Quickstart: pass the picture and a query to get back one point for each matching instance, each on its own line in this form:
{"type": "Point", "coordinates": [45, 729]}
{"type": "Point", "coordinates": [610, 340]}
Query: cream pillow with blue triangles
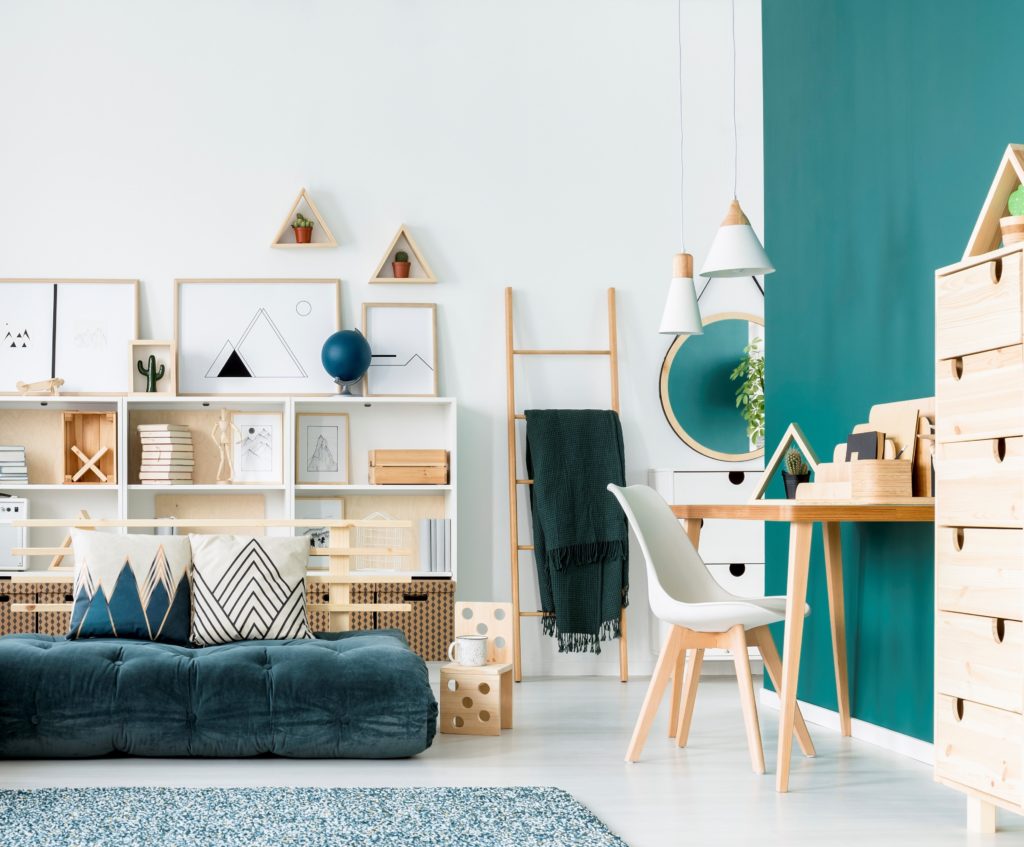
{"type": "Point", "coordinates": [131, 586]}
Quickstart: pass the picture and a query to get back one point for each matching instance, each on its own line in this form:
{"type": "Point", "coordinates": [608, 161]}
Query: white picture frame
{"type": "Point", "coordinates": [403, 345]}
{"type": "Point", "coordinates": [258, 451]}
{"type": "Point", "coordinates": [321, 448]}
{"type": "Point", "coordinates": [78, 330]}
{"type": "Point", "coordinates": [254, 336]}
{"type": "Point", "coordinates": [315, 508]}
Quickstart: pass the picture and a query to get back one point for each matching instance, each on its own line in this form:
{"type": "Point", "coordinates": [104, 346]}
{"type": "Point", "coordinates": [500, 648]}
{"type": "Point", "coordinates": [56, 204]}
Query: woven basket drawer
{"type": "Point", "coordinates": [979, 308]}
{"type": "Point", "coordinates": [980, 571]}
{"type": "Point", "coordinates": [430, 626]}
{"type": "Point", "coordinates": [55, 623]}
{"type": "Point", "coordinates": [17, 592]}
{"type": "Point", "coordinates": [980, 659]}
{"type": "Point", "coordinates": [321, 621]}
{"type": "Point", "coordinates": [980, 483]}
{"type": "Point", "coordinates": [980, 395]}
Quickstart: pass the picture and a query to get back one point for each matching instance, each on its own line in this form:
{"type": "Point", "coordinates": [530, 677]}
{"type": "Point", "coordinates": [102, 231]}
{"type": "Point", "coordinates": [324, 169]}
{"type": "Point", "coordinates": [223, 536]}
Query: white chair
{"type": "Point", "coordinates": [683, 593]}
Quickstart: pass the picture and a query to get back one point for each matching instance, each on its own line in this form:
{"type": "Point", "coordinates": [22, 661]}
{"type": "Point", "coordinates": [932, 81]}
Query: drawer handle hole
{"type": "Point", "coordinates": [997, 271]}
{"type": "Point", "coordinates": [958, 538]}
{"type": "Point", "coordinates": [737, 569]}
{"type": "Point", "coordinates": [999, 630]}
{"type": "Point", "coordinates": [957, 366]}
{"type": "Point", "coordinates": [737, 477]}
{"type": "Point", "coordinates": [958, 709]}
{"type": "Point", "coordinates": [1000, 449]}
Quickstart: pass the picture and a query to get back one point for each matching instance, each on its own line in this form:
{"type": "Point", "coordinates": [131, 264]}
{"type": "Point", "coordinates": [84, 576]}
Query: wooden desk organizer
{"type": "Point", "coordinates": [868, 480]}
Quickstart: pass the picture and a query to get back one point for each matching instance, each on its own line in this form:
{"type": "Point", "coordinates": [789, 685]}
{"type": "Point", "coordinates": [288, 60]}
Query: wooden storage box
{"type": "Point", "coordinates": [980, 571]}
{"type": "Point", "coordinates": [430, 626]}
{"type": "Point", "coordinates": [980, 659]}
{"type": "Point", "coordinates": [881, 479]}
{"type": "Point", "coordinates": [979, 307]}
{"type": "Point", "coordinates": [980, 395]}
{"type": "Point", "coordinates": [408, 467]}
{"type": "Point", "coordinates": [90, 447]}
{"type": "Point", "coordinates": [980, 483]}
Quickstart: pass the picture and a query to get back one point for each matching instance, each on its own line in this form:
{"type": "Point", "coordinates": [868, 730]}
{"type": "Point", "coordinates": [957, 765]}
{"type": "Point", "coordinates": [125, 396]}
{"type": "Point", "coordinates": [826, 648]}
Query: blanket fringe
{"type": "Point", "coordinates": [581, 642]}
{"type": "Point", "coordinates": [575, 555]}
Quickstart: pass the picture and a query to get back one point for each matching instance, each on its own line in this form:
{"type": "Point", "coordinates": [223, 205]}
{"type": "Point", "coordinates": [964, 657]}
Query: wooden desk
{"type": "Point", "coordinates": [801, 515]}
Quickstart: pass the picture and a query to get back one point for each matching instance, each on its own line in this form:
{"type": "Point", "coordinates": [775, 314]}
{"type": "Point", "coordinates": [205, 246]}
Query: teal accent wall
{"type": "Point", "coordinates": [884, 123]}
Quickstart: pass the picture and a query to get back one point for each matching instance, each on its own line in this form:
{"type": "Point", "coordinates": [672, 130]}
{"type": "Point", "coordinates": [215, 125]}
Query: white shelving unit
{"type": "Point", "coordinates": [374, 423]}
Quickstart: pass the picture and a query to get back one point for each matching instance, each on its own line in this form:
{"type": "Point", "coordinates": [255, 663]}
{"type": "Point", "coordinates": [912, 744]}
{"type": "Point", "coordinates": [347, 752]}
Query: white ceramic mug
{"type": "Point", "coordinates": [468, 650]}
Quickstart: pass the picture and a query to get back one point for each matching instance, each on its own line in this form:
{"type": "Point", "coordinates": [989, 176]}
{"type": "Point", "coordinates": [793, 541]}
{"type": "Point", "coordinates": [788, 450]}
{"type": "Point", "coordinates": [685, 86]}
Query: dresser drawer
{"type": "Point", "coordinates": [979, 308]}
{"type": "Point", "coordinates": [980, 395]}
{"type": "Point", "coordinates": [980, 659]}
{"type": "Point", "coordinates": [980, 483]}
{"type": "Point", "coordinates": [743, 580]}
{"type": "Point", "coordinates": [980, 571]}
{"type": "Point", "coordinates": [723, 540]}
{"type": "Point", "coordinates": [979, 747]}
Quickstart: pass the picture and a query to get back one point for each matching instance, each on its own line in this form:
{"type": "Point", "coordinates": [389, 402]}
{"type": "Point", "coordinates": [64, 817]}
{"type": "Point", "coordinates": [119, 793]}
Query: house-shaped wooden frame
{"type": "Point", "coordinates": [325, 231]}
{"type": "Point", "coordinates": [986, 235]}
{"type": "Point", "coordinates": [792, 435]}
{"type": "Point", "coordinates": [420, 272]}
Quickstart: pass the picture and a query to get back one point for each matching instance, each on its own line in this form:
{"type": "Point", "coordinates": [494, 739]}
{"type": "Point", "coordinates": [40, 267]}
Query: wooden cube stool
{"type": "Point", "coordinates": [478, 700]}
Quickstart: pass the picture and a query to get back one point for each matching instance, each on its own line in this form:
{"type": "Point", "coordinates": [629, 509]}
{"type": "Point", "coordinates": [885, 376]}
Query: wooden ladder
{"type": "Point", "coordinates": [514, 480]}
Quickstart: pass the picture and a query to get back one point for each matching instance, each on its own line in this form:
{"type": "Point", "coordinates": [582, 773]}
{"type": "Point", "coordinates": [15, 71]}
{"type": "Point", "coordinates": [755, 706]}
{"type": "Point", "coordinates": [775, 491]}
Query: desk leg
{"type": "Point", "coordinates": [837, 615]}
{"type": "Point", "coordinates": [693, 527]}
{"type": "Point", "coordinates": [796, 605]}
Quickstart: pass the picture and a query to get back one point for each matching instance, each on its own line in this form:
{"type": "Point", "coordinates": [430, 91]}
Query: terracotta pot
{"type": "Point", "coordinates": [401, 269]}
{"type": "Point", "coordinates": [303, 234]}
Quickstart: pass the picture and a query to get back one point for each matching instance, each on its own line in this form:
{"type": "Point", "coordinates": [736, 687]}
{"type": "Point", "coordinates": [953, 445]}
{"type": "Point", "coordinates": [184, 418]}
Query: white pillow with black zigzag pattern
{"type": "Point", "coordinates": [248, 589]}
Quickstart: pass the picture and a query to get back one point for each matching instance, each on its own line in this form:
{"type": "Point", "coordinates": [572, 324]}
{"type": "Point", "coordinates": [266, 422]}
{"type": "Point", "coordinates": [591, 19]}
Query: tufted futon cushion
{"type": "Point", "coordinates": [346, 695]}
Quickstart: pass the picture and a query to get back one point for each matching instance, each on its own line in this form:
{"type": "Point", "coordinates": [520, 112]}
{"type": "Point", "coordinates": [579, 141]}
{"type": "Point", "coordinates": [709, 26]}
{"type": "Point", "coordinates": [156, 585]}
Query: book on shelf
{"type": "Point", "coordinates": [170, 438]}
{"type": "Point", "coordinates": [154, 453]}
{"type": "Point", "coordinates": [435, 545]}
{"type": "Point", "coordinates": [165, 474]}
{"type": "Point", "coordinates": [162, 428]}
{"type": "Point", "coordinates": [166, 481]}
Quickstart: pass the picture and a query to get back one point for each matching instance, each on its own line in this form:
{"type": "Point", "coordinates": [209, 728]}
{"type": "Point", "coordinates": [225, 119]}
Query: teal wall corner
{"type": "Point", "coordinates": [884, 123]}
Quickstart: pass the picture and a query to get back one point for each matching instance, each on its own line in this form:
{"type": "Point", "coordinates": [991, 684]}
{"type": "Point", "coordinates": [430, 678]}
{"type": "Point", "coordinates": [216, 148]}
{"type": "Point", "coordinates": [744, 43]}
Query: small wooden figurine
{"type": "Point", "coordinates": [44, 386]}
{"type": "Point", "coordinates": [151, 373]}
{"type": "Point", "coordinates": [224, 432]}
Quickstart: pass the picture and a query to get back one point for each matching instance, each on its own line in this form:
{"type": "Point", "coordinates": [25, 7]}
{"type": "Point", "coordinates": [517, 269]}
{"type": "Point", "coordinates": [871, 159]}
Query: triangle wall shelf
{"type": "Point", "coordinates": [987, 235]}
{"type": "Point", "coordinates": [419, 273]}
{"type": "Point", "coordinates": [285, 238]}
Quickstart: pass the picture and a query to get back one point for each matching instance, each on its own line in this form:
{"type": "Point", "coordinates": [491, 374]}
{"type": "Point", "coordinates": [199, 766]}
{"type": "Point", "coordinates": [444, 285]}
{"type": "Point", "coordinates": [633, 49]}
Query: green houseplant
{"type": "Point", "coordinates": [303, 229]}
{"type": "Point", "coordinates": [401, 266]}
{"type": "Point", "coordinates": [796, 472]}
{"type": "Point", "coordinates": [750, 394]}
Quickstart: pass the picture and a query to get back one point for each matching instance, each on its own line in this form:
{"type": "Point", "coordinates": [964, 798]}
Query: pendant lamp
{"type": "Point", "coordinates": [736, 249]}
{"type": "Point", "coordinates": [681, 315]}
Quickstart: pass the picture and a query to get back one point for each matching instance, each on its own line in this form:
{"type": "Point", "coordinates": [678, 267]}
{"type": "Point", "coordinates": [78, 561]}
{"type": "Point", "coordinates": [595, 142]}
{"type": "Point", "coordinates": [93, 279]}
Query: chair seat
{"type": "Point", "coordinates": [720, 616]}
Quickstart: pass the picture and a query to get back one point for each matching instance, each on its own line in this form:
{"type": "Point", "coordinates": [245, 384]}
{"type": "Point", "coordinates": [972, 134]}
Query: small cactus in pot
{"type": "Point", "coordinates": [795, 473]}
{"type": "Point", "coordinates": [401, 266]}
{"type": "Point", "coordinates": [303, 229]}
{"type": "Point", "coordinates": [151, 373]}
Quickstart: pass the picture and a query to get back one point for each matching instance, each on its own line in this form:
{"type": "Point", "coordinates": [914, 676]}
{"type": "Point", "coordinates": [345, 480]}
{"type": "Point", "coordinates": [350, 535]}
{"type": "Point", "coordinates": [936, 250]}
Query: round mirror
{"type": "Point", "coordinates": [697, 395]}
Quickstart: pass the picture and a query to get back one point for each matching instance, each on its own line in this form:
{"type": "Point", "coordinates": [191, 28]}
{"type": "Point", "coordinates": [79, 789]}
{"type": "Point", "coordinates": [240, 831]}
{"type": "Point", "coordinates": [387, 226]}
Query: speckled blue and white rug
{"type": "Point", "coordinates": [310, 817]}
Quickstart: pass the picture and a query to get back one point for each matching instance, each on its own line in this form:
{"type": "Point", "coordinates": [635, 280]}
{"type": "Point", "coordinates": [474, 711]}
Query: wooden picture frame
{"type": "Point", "coordinates": [254, 464]}
{"type": "Point", "coordinates": [401, 344]}
{"type": "Point", "coordinates": [166, 354]}
{"type": "Point", "coordinates": [793, 434]}
{"type": "Point", "coordinates": [335, 436]}
{"type": "Point", "coordinates": [329, 240]}
{"type": "Point", "coordinates": [420, 272]}
{"type": "Point", "coordinates": [72, 329]}
{"type": "Point", "coordinates": [221, 368]}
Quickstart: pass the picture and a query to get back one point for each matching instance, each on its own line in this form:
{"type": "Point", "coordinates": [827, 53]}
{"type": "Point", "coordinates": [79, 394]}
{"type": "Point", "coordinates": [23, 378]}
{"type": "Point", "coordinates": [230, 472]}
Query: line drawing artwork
{"type": "Point", "coordinates": [17, 339]}
{"type": "Point", "coordinates": [395, 364]}
{"type": "Point", "coordinates": [89, 335]}
{"type": "Point", "coordinates": [260, 352]}
{"type": "Point", "coordinates": [322, 447]}
{"type": "Point", "coordinates": [257, 448]}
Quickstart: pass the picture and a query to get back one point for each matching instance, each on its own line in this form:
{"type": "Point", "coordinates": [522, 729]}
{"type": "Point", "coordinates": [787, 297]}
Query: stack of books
{"type": "Point", "coordinates": [167, 457]}
{"type": "Point", "coordinates": [13, 468]}
{"type": "Point", "coordinates": [435, 545]}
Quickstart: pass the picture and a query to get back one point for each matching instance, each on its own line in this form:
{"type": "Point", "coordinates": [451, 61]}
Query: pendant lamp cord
{"type": "Point", "coordinates": [682, 193]}
{"type": "Point", "coordinates": [735, 132]}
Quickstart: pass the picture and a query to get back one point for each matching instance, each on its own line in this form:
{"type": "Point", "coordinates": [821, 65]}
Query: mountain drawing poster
{"type": "Point", "coordinates": [403, 345]}
{"type": "Point", "coordinates": [322, 457]}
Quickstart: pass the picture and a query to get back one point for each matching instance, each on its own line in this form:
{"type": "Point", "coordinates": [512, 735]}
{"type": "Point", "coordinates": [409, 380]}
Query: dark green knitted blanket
{"type": "Point", "coordinates": [580, 534]}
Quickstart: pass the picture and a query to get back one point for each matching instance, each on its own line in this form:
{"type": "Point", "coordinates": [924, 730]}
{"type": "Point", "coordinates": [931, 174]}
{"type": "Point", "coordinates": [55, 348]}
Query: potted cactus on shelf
{"type": "Point", "coordinates": [1012, 227]}
{"type": "Point", "coordinates": [796, 472]}
{"type": "Point", "coordinates": [303, 229]}
{"type": "Point", "coordinates": [401, 266]}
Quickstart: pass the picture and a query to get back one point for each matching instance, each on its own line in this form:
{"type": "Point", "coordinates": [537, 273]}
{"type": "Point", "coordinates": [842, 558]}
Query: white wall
{"type": "Point", "coordinates": [531, 144]}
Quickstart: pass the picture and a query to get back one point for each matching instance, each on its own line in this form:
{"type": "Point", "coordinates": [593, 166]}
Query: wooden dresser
{"type": "Point", "coordinates": [979, 541]}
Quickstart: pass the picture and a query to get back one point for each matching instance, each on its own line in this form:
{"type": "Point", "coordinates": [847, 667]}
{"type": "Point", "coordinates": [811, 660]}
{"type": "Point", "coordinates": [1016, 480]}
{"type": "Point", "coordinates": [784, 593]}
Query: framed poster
{"type": "Point", "coordinates": [259, 449]}
{"type": "Point", "coordinates": [316, 508]}
{"type": "Point", "coordinates": [76, 330]}
{"type": "Point", "coordinates": [255, 336]}
{"type": "Point", "coordinates": [403, 341]}
{"type": "Point", "coordinates": [321, 448]}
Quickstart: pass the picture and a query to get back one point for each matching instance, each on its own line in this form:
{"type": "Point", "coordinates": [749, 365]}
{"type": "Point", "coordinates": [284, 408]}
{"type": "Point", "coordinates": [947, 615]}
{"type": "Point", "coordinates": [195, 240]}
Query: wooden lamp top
{"type": "Point", "coordinates": [735, 216]}
{"type": "Point", "coordinates": [682, 266]}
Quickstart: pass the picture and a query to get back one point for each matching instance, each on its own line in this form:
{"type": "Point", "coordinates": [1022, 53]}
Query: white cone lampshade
{"type": "Point", "coordinates": [736, 250]}
{"type": "Point", "coordinates": [682, 314]}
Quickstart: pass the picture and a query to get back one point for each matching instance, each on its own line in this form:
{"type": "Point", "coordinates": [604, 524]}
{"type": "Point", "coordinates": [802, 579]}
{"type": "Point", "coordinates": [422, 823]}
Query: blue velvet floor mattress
{"type": "Point", "coordinates": [350, 695]}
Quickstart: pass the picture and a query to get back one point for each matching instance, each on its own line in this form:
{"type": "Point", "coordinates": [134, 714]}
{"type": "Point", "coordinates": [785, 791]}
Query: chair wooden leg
{"type": "Point", "coordinates": [655, 691]}
{"type": "Point", "coordinates": [677, 687]}
{"type": "Point", "coordinates": [738, 648]}
{"type": "Point", "coordinates": [691, 679]}
{"type": "Point", "coordinates": [762, 638]}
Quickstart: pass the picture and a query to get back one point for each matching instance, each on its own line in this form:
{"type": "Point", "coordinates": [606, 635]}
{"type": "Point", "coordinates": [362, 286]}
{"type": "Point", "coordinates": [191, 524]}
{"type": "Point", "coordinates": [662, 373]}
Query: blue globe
{"type": "Point", "coordinates": [346, 357]}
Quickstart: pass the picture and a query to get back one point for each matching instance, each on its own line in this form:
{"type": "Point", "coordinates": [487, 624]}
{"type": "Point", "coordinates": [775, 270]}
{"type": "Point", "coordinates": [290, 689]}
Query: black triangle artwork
{"type": "Point", "coordinates": [234, 366]}
{"type": "Point", "coordinates": [261, 352]}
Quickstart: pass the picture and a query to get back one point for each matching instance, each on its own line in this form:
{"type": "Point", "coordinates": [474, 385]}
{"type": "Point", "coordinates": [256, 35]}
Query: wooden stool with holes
{"type": "Point", "coordinates": [478, 700]}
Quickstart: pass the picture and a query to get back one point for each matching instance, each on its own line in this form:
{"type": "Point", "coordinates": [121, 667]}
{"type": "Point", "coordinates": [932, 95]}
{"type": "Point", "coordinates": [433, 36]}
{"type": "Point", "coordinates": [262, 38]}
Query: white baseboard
{"type": "Point", "coordinates": [887, 739]}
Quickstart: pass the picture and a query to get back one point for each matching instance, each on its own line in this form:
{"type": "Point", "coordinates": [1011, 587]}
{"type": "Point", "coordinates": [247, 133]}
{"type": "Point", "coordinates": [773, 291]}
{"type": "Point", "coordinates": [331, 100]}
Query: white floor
{"type": "Point", "coordinates": [572, 733]}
